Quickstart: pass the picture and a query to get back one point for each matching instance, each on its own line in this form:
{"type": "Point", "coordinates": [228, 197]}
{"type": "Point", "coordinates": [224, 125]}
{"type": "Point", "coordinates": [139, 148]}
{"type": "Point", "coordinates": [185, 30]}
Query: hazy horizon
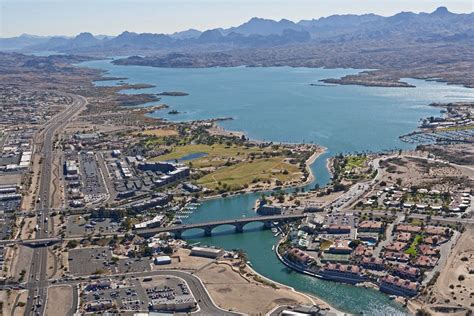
{"type": "Point", "coordinates": [107, 17]}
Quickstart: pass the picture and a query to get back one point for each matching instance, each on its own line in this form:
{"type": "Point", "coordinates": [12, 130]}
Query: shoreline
{"type": "Point", "coordinates": [316, 300]}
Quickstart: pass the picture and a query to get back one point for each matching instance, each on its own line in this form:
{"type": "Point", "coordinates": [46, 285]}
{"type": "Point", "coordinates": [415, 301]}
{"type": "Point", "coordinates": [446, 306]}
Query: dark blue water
{"type": "Point", "coordinates": [278, 104]}
{"type": "Point", "coordinates": [191, 156]}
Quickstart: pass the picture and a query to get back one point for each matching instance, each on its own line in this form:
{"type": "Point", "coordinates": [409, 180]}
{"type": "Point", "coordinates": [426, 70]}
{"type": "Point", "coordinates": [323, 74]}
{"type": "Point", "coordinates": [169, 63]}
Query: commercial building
{"type": "Point", "coordinates": [156, 221]}
{"type": "Point", "coordinates": [162, 260]}
{"type": "Point", "coordinates": [207, 252]}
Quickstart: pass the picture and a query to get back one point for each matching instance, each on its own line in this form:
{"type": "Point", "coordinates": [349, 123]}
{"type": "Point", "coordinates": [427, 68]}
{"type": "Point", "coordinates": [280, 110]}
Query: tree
{"type": "Point", "coordinates": [422, 312]}
{"type": "Point", "coordinates": [72, 244]}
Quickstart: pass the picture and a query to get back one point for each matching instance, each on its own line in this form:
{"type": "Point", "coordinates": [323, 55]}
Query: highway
{"type": "Point", "coordinates": [38, 270]}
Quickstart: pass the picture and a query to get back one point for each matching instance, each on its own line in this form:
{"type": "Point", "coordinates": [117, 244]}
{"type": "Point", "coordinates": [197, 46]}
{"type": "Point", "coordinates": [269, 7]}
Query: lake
{"type": "Point", "coordinates": [279, 104]}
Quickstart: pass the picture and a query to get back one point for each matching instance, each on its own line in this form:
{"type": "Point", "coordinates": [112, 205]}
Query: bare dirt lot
{"type": "Point", "coordinates": [456, 281]}
{"type": "Point", "coordinates": [420, 172]}
{"type": "Point", "coordinates": [59, 300]}
{"type": "Point", "coordinates": [454, 287]}
{"type": "Point", "coordinates": [232, 291]}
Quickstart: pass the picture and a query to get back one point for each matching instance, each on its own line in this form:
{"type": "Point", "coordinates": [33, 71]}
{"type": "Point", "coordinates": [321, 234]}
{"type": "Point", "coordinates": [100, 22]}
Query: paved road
{"type": "Point", "coordinates": [38, 271]}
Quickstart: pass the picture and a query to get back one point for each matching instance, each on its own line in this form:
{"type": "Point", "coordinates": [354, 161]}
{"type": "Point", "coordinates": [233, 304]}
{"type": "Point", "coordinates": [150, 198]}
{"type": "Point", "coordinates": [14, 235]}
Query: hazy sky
{"type": "Point", "coordinates": [70, 17]}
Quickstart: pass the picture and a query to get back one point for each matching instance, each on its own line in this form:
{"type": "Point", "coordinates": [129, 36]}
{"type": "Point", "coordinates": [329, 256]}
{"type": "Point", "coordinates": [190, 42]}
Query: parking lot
{"type": "Point", "coordinates": [127, 295]}
{"type": "Point", "coordinates": [89, 261]}
{"type": "Point", "coordinates": [158, 293]}
{"type": "Point", "coordinates": [77, 225]}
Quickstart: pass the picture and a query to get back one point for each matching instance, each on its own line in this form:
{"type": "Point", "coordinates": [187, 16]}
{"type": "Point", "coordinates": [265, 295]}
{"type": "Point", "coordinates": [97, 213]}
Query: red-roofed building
{"type": "Point", "coordinates": [370, 226]}
{"type": "Point", "coordinates": [406, 272]}
{"type": "Point", "coordinates": [408, 228]}
{"type": "Point", "coordinates": [342, 273]}
{"type": "Point", "coordinates": [425, 261]}
{"type": "Point", "coordinates": [338, 229]}
{"type": "Point", "coordinates": [372, 263]}
{"type": "Point", "coordinates": [396, 246]}
{"type": "Point", "coordinates": [428, 250]}
{"type": "Point", "coordinates": [403, 237]}
{"type": "Point", "coordinates": [397, 286]}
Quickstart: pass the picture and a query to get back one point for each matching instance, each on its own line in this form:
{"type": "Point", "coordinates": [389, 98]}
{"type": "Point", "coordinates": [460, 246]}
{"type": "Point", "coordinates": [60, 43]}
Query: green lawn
{"type": "Point", "coordinates": [355, 162]}
{"type": "Point", "coordinates": [412, 251]}
{"type": "Point", "coordinates": [235, 177]}
{"type": "Point", "coordinates": [217, 154]}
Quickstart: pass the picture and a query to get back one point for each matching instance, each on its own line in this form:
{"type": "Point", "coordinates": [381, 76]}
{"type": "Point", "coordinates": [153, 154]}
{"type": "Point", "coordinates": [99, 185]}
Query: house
{"type": "Point", "coordinates": [425, 262]}
{"type": "Point", "coordinates": [437, 230]}
{"type": "Point", "coordinates": [397, 256]}
{"type": "Point", "coordinates": [403, 237]}
{"type": "Point", "coordinates": [362, 251]}
{"type": "Point", "coordinates": [396, 246]}
{"type": "Point", "coordinates": [435, 240]}
{"type": "Point", "coordinates": [428, 250]}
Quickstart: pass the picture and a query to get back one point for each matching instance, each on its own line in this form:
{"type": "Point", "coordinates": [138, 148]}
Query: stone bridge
{"type": "Point", "coordinates": [209, 226]}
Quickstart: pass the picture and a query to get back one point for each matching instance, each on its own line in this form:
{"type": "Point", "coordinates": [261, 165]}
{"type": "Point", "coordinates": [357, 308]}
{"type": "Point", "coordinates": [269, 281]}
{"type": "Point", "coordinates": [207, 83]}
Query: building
{"type": "Point", "coordinates": [163, 167]}
{"type": "Point", "coordinates": [372, 263]}
{"type": "Point", "coordinates": [156, 221]}
{"type": "Point", "coordinates": [426, 262]}
{"type": "Point", "coordinates": [207, 252]}
{"type": "Point", "coordinates": [408, 228]}
{"type": "Point", "coordinates": [342, 273]}
{"type": "Point", "coordinates": [71, 167]}
{"type": "Point", "coordinates": [191, 187]}
{"type": "Point", "coordinates": [268, 209]}
{"type": "Point", "coordinates": [338, 229]}
{"type": "Point", "coordinates": [397, 286]}
{"type": "Point", "coordinates": [406, 272]}
{"type": "Point", "coordinates": [396, 246]}
{"type": "Point", "coordinates": [101, 305]}
{"type": "Point", "coordinates": [340, 246]}
{"type": "Point", "coordinates": [157, 200]}
{"type": "Point", "coordinates": [370, 226]}
{"type": "Point", "coordinates": [162, 260]}
{"type": "Point", "coordinates": [298, 256]}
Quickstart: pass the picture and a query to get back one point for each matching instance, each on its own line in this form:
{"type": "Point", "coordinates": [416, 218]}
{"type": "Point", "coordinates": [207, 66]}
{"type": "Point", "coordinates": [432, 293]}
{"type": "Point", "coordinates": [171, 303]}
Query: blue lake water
{"type": "Point", "coordinates": [279, 104]}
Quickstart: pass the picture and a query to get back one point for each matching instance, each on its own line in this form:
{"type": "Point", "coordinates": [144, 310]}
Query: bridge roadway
{"type": "Point", "coordinates": [209, 226]}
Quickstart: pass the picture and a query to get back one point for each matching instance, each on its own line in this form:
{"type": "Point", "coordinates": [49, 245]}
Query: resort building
{"type": "Point", "coordinates": [372, 263]}
{"type": "Point", "coordinates": [342, 273]}
{"type": "Point", "coordinates": [397, 286]}
{"type": "Point", "coordinates": [370, 226]}
{"type": "Point", "coordinates": [408, 228]}
{"type": "Point", "coordinates": [406, 272]}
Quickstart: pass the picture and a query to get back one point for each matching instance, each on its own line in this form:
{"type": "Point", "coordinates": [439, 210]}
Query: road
{"type": "Point", "coordinates": [38, 271]}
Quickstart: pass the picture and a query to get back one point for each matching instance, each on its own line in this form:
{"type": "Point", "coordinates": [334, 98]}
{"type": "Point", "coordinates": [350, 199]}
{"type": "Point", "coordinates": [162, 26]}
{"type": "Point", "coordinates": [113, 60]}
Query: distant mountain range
{"type": "Point", "coordinates": [440, 25]}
